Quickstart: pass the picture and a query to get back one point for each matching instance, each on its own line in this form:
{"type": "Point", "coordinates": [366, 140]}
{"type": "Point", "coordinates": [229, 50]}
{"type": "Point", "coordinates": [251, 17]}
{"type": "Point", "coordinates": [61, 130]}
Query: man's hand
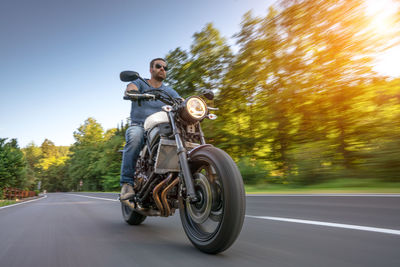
{"type": "Point", "coordinates": [131, 87]}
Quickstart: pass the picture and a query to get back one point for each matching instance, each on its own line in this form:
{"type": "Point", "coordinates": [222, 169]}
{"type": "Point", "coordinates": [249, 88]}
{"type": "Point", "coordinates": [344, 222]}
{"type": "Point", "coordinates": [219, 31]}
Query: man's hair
{"type": "Point", "coordinates": [152, 62]}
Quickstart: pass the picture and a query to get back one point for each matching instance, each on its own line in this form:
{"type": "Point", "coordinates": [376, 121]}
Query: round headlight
{"type": "Point", "coordinates": [195, 109]}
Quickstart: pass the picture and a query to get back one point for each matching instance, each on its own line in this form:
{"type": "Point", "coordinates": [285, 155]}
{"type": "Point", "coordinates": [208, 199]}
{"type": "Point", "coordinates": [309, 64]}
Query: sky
{"type": "Point", "coordinates": [60, 60]}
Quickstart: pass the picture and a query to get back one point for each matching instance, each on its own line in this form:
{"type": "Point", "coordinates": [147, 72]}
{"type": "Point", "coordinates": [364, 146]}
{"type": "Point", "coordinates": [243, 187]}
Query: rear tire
{"type": "Point", "coordinates": [214, 223]}
{"type": "Point", "coordinates": [130, 216]}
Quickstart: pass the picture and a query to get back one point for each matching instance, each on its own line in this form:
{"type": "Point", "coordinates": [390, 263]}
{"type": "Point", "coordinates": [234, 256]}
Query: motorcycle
{"type": "Point", "coordinates": [177, 169]}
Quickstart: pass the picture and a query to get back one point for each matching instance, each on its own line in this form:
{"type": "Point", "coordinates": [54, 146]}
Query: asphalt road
{"type": "Point", "coordinates": [286, 230]}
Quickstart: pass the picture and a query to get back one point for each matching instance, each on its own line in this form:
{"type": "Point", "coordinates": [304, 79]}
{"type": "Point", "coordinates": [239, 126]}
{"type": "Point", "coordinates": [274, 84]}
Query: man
{"type": "Point", "coordinates": [135, 133]}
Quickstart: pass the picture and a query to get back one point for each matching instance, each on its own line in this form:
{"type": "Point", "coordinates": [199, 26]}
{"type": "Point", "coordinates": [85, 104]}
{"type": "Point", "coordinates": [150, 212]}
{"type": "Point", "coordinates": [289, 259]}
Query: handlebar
{"type": "Point", "coordinates": [152, 94]}
{"type": "Point", "coordinates": [133, 96]}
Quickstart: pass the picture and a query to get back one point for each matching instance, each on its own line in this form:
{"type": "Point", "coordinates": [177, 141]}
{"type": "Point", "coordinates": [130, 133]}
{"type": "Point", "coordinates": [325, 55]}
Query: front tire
{"type": "Point", "coordinates": [214, 223]}
{"type": "Point", "coordinates": [130, 216]}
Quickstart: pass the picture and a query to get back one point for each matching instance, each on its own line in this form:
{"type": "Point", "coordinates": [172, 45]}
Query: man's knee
{"type": "Point", "coordinates": [134, 132]}
{"type": "Point", "coordinates": [134, 138]}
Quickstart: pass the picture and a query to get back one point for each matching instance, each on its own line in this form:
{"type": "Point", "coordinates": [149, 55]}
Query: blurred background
{"type": "Point", "coordinates": [308, 95]}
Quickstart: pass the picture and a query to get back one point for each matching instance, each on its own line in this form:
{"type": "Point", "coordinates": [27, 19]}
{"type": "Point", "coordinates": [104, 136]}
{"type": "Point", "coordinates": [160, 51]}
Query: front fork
{"type": "Point", "coordinates": [187, 175]}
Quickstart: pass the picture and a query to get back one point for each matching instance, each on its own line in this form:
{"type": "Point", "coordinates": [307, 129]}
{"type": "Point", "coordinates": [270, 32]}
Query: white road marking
{"type": "Point", "coordinates": [323, 195]}
{"type": "Point", "coordinates": [328, 224]}
{"type": "Point", "coordinates": [4, 207]}
{"type": "Point", "coordinates": [101, 198]}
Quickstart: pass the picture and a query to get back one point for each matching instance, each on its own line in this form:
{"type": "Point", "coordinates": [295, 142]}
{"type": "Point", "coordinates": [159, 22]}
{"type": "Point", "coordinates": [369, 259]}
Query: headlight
{"type": "Point", "coordinates": [195, 109]}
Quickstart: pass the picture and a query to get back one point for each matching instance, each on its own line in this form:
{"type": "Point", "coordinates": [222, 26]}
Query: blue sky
{"type": "Point", "coordinates": [60, 60]}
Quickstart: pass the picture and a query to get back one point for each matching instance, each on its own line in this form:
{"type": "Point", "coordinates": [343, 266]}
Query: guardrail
{"type": "Point", "coordinates": [15, 193]}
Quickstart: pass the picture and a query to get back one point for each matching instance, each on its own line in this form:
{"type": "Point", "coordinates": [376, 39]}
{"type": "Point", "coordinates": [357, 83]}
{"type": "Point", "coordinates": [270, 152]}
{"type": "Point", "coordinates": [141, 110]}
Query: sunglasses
{"type": "Point", "coordinates": [159, 66]}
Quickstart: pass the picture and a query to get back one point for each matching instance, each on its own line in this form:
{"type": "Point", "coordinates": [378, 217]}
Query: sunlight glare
{"type": "Point", "coordinates": [382, 15]}
{"type": "Point", "coordinates": [388, 62]}
{"type": "Point", "coordinates": [383, 25]}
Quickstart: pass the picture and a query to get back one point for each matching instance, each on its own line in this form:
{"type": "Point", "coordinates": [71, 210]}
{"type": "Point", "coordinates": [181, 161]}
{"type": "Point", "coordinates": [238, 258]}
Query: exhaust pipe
{"type": "Point", "coordinates": [167, 209]}
{"type": "Point", "coordinates": [156, 197]}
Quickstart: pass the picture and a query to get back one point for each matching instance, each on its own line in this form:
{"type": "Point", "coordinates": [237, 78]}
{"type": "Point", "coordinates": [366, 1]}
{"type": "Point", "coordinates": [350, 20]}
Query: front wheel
{"type": "Point", "coordinates": [214, 222]}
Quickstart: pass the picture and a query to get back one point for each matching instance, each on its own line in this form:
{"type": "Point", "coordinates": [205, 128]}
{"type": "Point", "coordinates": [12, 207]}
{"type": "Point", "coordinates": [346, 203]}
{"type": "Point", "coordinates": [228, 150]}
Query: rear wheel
{"type": "Point", "coordinates": [215, 221]}
{"type": "Point", "coordinates": [130, 216]}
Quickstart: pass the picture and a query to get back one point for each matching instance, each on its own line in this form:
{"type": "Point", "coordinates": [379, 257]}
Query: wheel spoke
{"type": "Point", "coordinates": [216, 217]}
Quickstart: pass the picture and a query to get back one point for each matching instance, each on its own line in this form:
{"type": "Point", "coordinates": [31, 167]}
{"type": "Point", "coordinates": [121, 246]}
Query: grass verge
{"type": "Point", "coordinates": [7, 202]}
{"type": "Point", "coordinates": [334, 186]}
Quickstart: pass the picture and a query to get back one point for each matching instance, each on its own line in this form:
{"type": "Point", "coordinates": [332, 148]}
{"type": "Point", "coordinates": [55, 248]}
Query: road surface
{"type": "Point", "coordinates": [87, 229]}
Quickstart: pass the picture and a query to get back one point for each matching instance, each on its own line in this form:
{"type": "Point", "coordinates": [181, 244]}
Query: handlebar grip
{"type": "Point", "coordinates": [136, 97]}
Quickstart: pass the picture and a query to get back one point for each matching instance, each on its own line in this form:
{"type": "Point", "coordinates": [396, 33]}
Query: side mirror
{"type": "Point", "coordinates": [128, 76]}
{"type": "Point", "coordinates": [207, 93]}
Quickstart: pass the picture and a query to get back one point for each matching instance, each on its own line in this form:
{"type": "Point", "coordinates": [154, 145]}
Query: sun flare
{"type": "Point", "coordinates": [382, 14]}
{"type": "Point", "coordinates": [383, 26]}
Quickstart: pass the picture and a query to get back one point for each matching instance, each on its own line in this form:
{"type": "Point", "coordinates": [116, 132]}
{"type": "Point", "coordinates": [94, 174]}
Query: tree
{"type": "Point", "coordinates": [12, 164]}
{"type": "Point", "coordinates": [203, 66]}
{"type": "Point", "coordinates": [109, 165]}
{"type": "Point", "coordinates": [211, 57]}
{"type": "Point", "coordinates": [33, 154]}
{"type": "Point", "coordinates": [179, 64]}
{"type": "Point", "coordinates": [48, 149]}
{"type": "Point", "coordinates": [86, 153]}
{"type": "Point", "coordinates": [90, 132]}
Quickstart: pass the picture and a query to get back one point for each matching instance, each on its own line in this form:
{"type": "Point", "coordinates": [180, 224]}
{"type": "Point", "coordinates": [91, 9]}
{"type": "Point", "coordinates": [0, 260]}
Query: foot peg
{"type": "Point", "coordinates": [127, 196]}
{"type": "Point", "coordinates": [129, 204]}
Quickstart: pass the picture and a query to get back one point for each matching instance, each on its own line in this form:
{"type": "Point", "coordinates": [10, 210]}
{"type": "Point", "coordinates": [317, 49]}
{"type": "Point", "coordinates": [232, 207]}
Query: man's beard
{"type": "Point", "coordinates": [159, 78]}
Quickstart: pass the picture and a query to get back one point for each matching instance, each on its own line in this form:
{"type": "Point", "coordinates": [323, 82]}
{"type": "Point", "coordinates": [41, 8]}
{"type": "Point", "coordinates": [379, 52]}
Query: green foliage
{"type": "Point", "coordinates": [203, 66]}
{"type": "Point", "coordinates": [85, 154]}
{"type": "Point", "coordinates": [53, 178]}
{"type": "Point", "coordinates": [253, 171]}
{"type": "Point", "coordinates": [33, 154]}
{"type": "Point", "coordinates": [7, 202]}
{"type": "Point", "coordinates": [95, 159]}
{"type": "Point", "coordinates": [110, 163]}
{"type": "Point", "coordinates": [343, 185]}
{"type": "Point", "coordinates": [48, 148]}
{"type": "Point", "coordinates": [178, 74]}
{"type": "Point", "coordinates": [47, 165]}
{"type": "Point", "coordinates": [89, 133]}
{"type": "Point", "coordinates": [12, 164]}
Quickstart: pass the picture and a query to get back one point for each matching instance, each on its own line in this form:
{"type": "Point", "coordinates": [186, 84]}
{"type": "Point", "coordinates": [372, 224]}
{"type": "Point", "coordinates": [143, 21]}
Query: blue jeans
{"type": "Point", "coordinates": [134, 143]}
